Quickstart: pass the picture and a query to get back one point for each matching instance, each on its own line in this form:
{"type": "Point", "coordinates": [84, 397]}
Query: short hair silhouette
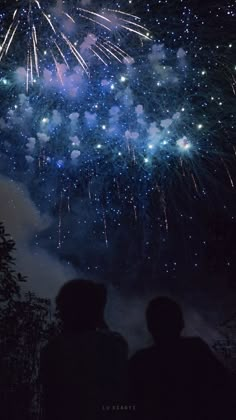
{"type": "Point", "coordinates": [164, 318]}
{"type": "Point", "coordinates": [81, 304]}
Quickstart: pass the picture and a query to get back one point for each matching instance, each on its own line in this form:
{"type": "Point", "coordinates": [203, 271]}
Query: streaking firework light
{"type": "Point", "coordinates": [122, 132]}
{"type": "Point", "coordinates": [64, 33]}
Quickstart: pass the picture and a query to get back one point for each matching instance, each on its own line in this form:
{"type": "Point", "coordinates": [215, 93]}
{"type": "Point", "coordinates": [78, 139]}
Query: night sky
{"type": "Point", "coordinates": [117, 151]}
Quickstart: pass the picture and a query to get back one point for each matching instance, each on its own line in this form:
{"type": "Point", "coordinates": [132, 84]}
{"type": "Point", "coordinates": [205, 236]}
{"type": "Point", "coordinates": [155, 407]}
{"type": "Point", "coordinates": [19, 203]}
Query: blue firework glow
{"type": "Point", "coordinates": [137, 139]}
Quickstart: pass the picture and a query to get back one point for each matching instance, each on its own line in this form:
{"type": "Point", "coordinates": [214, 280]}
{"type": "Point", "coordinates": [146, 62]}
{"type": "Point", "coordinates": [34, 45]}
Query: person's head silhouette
{"type": "Point", "coordinates": [164, 319]}
{"type": "Point", "coordinates": [81, 305]}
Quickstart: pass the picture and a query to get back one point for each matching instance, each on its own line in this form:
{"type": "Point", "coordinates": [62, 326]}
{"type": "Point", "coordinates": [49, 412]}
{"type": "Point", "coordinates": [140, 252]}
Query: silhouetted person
{"type": "Point", "coordinates": [178, 378]}
{"type": "Point", "coordinates": [83, 369]}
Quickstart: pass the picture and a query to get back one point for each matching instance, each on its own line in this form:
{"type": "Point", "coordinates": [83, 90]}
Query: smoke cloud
{"type": "Point", "coordinates": [45, 272]}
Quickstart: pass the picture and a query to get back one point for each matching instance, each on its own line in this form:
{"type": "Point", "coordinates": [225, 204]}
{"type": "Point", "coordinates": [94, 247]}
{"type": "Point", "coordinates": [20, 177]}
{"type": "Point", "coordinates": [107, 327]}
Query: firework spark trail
{"type": "Point", "coordinates": [233, 83]}
{"type": "Point", "coordinates": [135, 212]}
{"type": "Point", "coordinates": [166, 219]}
{"type": "Point", "coordinates": [98, 23]}
{"type": "Point", "coordinates": [134, 155]}
{"type": "Point", "coordinates": [106, 19]}
{"type": "Point", "coordinates": [6, 37]}
{"type": "Point", "coordinates": [58, 69]}
{"type": "Point", "coordinates": [228, 172]}
{"type": "Point", "coordinates": [195, 183]}
{"type": "Point", "coordinates": [233, 88]}
{"type": "Point", "coordinates": [164, 207]}
{"type": "Point", "coordinates": [27, 72]}
{"type": "Point", "coordinates": [11, 39]}
{"type": "Point", "coordinates": [69, 17]}
{"type": "Point", "coordinates": [129, 22]}
{"type": "Point", "coordinates": [105, 228]}
{"type": "Point", "coordinates": [134, 31]}
{"type": "Point", "coordinates": [36, 56]}
{"type": "Point", "coordinates": [134, 208]}
{"type": "Point", "coordinates": [228, 75]}
{"type": "Point", "coordinates": [76, 53]}
{"type": "Point", "coordinates": [98, 56]}
{"type": "Point", "coordinates": [102, 48]}
{"type": "Point", "coordinates": [117, 49]}
{"type": "Point", "coordinates": [118, 188]}
{"type": "Point", "coordinates": [94, 14]}
{"type": "Point", "coordinates": [62, 55]}
{"type": "Point", "coordinates": [50, 22]}
{"type": "Point", "coordinates": [137, 26]}
{"type": "Point", "coordinates": [182, 167]}
{"type": "Point", "coordinates": [60, 223]}
{"type": "Point", "coordinates": [60, 41]}
{"type": "Point", "coordinates": [31, 68]}
{"type": "Point", "coordinates": [89, 191]}
{"type": "Point", "coordinates": [68, 204]}
{"type": "Point", "coordinates": [38, 4]}
{"type": "Point", "coordinates": [123, 13]}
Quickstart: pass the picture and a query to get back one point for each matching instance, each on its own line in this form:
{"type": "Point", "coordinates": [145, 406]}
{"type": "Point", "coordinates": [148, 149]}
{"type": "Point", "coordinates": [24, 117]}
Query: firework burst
{"type": "Point", "coordinates": [139, 146]}
{"type": "Point", "coordinates": [56, 32]}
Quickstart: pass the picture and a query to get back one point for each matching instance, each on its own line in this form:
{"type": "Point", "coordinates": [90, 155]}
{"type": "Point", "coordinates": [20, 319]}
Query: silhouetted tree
{"type": "Point", "coordinates": [25, 326]}
{"type": "Point", "coordinates": [9, 279]}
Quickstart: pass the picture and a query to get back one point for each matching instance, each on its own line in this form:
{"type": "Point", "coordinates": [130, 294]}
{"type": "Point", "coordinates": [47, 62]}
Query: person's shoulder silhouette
{"type": "Point", "coordinates": [84, 367]}
{"type": "Point", "coordinates": [178, 377]}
